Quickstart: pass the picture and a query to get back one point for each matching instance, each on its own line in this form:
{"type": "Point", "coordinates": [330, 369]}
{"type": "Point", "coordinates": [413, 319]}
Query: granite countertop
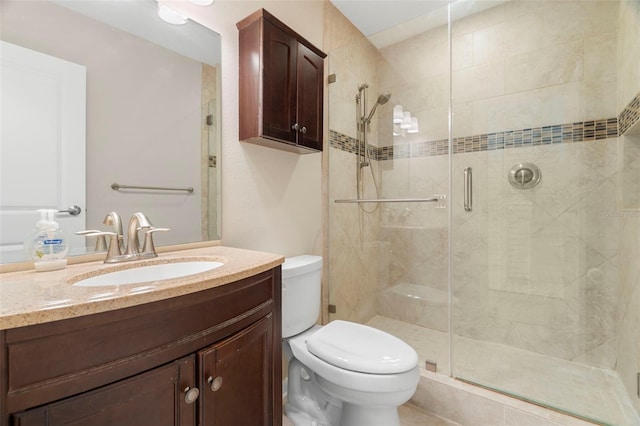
{"type": "Point", "coordinates": [30, 297]}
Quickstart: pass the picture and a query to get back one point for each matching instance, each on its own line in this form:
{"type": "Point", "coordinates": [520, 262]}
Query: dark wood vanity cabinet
{"type": "Point", "coordinates": [235, 378]}
{"type": "Point", "coordinates": [208, 358]}
{"type": "Point", "coordinates": [281, 86]}
{"type": "Point", "coordinates": [150, 398]}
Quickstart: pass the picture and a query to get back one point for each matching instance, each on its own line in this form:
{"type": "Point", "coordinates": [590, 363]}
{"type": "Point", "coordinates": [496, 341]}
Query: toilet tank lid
{"type": "Point", "coordinates": [361, 348]}
{"type": "Point", "coordinates": [299, 265]}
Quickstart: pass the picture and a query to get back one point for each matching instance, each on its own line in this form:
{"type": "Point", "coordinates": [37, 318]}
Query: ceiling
{"type": "Point", "coordinates": [374, 16]}
{"type": "Point", "coordinates": [386, 22]}
{"type": "Point", "coordinates": [141, 19]}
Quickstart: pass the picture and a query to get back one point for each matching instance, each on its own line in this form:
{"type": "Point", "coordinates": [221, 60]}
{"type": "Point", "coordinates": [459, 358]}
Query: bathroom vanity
{"type": "Point", "coordinates": [203, 349]}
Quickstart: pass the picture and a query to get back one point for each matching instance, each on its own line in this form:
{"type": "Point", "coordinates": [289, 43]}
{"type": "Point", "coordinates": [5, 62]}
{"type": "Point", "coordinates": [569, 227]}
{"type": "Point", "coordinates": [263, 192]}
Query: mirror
{"type": "Point", "coordinates": [151, 120]}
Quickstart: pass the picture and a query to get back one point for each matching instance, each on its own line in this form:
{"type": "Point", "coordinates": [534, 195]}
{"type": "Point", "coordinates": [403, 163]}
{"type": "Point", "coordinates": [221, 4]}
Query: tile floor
{"type": "Point", "coordinates": [409, 416]}
{"type": "Point", "coordinates": [587, 391]}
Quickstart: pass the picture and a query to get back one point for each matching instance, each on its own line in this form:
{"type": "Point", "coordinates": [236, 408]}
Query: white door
{"type": "Point", "coordinates": [42, 145]}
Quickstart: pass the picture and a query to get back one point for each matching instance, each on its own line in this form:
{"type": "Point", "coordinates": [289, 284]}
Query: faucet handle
{"type": "Point", "coordinates": [87, 232]}
{"type": "Point", "coordinates": [101, 243]}
{"type": "Point", "coordinates": [149, 249]}
{"type": "Point", "coordinates": [114, 244]}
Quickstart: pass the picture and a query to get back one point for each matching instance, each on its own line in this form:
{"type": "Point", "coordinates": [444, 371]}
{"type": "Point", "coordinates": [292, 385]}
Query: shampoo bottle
{"type": "Point", "coordinates": [46, 244]}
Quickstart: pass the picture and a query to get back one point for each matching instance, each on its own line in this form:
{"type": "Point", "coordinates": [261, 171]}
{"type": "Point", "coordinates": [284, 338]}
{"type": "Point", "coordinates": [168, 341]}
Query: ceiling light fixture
{"type": "Point", "coordinates": [414, 126]}
{"type": "Point", "coordinates": [170, 16]}
{"type": "Point", "coordinates": [406, 120]}
{"type": "Point", "coordinates": [397, 114]}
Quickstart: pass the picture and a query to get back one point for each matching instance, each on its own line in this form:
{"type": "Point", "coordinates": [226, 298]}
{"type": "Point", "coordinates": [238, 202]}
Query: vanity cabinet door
{"type": "Point", "coordinates": [156, 397]}
{"type": "Point", "coordinates": [310, 74]}
{"type": "Point", "coordinates": [279, 99]}
{"type": "Point", "coordinates": [235, 378]}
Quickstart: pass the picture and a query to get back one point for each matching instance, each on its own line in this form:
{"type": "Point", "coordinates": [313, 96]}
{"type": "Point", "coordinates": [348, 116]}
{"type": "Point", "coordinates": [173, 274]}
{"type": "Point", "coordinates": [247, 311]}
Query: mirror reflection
{"type": "Point", "coordinates": [101, 93]}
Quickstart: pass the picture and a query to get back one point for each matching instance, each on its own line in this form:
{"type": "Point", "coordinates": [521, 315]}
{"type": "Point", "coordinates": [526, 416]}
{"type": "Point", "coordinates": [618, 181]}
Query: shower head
{"type": "Point", "coordinates": [382, 99]}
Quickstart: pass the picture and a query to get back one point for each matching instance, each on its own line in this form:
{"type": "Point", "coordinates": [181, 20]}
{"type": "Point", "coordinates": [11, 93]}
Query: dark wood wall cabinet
{"type": "Point", "coordinates": [281, 86]}
{"type": "Point", "coordinates": [208, 358]}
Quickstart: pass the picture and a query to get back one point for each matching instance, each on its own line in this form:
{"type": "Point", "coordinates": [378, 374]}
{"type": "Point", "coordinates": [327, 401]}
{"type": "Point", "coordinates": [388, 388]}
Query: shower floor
{"type": "Point", "coordinates": [578, 389]}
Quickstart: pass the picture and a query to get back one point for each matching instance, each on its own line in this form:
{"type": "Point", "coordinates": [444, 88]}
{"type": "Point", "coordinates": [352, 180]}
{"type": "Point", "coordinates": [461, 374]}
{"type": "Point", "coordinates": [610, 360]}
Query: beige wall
{"type": "Point", "coordinates": [520, 65]}
{"type": "Point", "coordinates": [353, 246]}
{"type": "Point", "coordinates": [628, 338]}
{"type": "Point", "coordinates": [628, 52]}
{"type": "Point", "coordinates": [271, 199]}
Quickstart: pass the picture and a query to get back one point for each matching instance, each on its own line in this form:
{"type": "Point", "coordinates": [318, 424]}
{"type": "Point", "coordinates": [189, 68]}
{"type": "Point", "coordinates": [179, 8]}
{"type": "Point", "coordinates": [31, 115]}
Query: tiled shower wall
{"type": "Point", "coordinates": [535, 269]}
{"type": "Point", "coordinates": [353, 234]}
{"type": "Point", "coordinates": [543, 269]}
{"type": "Point", "coordinates": [628, 337]}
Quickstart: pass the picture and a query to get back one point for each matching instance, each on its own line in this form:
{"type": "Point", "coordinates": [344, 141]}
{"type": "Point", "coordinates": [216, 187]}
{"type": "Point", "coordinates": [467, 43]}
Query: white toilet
{"type": "Point", "coordinates": [342, 374]}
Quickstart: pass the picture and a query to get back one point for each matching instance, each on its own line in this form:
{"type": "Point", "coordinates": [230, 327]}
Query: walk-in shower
{"type": "Point", "coordinates": [533, 292]}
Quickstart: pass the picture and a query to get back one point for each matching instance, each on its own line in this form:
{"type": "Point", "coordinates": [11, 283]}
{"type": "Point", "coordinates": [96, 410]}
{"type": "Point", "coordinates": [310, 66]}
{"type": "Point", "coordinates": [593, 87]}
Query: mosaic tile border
{"type": "Point", "coordinates": [581, 131]}
{"type": "Point", "coordinates": [629, 115]}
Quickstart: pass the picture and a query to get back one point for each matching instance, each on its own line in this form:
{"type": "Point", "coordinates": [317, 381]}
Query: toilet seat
{"type": "Point", "coordinates": [363, 349]}
{"type": "Point", "coordinates": [365, 382]}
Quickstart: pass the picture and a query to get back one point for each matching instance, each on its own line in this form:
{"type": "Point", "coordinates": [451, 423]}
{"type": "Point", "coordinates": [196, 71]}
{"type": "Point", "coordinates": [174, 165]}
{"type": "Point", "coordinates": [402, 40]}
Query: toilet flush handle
{"type": "Point", "coordinates": [216, 383]}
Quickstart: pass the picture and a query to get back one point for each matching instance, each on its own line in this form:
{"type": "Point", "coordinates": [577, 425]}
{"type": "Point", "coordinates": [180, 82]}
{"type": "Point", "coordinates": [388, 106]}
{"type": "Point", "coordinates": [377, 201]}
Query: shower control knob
{"type": "Point", "coordinates": [303, 130]}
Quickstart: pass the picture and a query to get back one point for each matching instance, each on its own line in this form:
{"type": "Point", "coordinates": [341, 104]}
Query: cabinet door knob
{"type": "Point", "coordinates": [295, 127]}
{"type": "Point", "coordinates": [216, 383]}
{"type": "Point", "coordinates": [303, 130]}
{"type": "Point", "coordinates": [191, 395]}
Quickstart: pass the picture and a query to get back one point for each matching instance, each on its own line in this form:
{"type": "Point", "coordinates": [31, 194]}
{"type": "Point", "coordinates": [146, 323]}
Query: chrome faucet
{"type": "Point", "coordinates": [113, 219]}
{"type": "Point", "coordinates": [116, 252]}
{"type": "Point", "coordinates": [137, 222]}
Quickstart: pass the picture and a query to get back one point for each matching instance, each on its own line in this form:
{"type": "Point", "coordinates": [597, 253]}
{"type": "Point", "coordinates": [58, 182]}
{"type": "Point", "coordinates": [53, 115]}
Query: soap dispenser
{"type": "Point", "coordinates": [46, 244]}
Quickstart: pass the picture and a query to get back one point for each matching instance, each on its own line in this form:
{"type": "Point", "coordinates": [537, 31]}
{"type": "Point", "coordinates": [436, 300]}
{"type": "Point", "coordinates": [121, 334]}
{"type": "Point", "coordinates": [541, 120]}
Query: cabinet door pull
{"type": "Point", "coordinates": [191, 395]}
{"type": "Point", "coordinates": [216, 383]}
{"type": "Point", "coordinates": [295, 127]}
{"type": "Point", "coordinates": [303, 130]}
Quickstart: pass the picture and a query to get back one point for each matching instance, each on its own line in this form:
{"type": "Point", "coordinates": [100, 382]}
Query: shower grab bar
{"type": "Point", "coordinates": [468, 189]}
{"type": "Point", "coordinates": [117, 186]}
{"type": "Point", "coordinates": [394, 200]}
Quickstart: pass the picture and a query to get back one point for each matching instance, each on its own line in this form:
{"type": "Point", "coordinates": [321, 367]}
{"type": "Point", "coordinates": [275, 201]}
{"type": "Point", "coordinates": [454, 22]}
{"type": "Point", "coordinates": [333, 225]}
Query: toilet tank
{"type": "Point", "coordinates": [301, 283]}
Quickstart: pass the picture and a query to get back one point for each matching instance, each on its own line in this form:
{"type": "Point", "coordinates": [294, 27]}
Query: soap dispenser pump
{"type": "Point", "coordinates": [46, 244]}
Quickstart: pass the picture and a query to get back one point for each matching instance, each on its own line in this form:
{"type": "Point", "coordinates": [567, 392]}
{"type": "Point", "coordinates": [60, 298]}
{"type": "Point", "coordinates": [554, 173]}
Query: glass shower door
{"type": "Point", "coordinates": [536, 257]}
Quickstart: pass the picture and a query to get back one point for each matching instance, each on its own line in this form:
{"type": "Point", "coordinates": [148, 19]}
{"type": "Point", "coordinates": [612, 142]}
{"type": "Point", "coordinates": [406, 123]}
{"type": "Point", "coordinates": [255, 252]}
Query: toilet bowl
{"type": "Point", "coordinates": [343, 373]}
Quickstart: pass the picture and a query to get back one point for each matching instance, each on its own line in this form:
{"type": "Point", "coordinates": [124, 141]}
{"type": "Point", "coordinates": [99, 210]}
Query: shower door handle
{"type": "Point", "coordinates": [468, 189]}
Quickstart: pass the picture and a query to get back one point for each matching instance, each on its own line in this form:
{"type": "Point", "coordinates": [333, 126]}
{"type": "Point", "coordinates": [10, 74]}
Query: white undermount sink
{"type": "Point", "coordinates": [147, 273]}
